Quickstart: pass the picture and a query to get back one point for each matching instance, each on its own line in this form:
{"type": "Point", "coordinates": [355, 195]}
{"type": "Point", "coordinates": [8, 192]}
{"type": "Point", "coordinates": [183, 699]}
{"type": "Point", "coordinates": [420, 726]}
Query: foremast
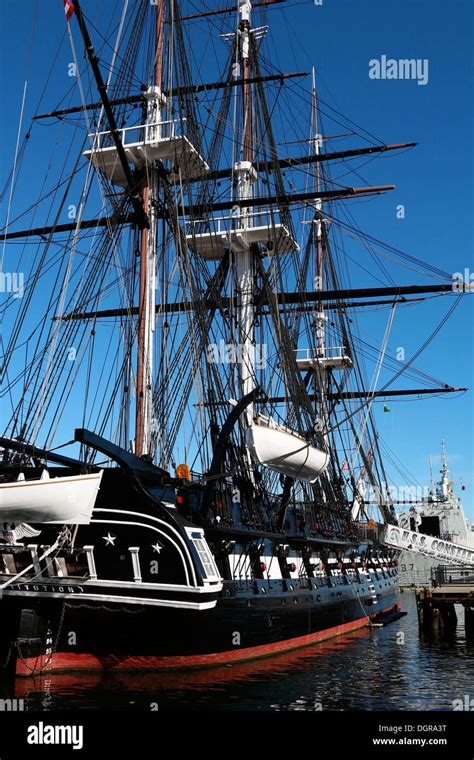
{"type": "Point", "coordinates": [319, 317]}
{"type": "Point", "coordinates": [155, 103]}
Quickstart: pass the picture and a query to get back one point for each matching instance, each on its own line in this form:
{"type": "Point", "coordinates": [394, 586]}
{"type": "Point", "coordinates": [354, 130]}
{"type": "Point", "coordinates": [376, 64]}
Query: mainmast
{"type": "Point", "coordinates": [156, 101]}
{"type": "Point", "coordinates": [320, 317]}
{"type": "Point", "coordinates": [318, 222]}
{"type": "Point", "coordinates": [245, 176]}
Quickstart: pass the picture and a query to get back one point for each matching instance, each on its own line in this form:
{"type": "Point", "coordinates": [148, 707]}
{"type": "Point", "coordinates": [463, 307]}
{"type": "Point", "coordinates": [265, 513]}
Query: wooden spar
{"type": "Point", "coordinates": [372, 394]}
{"type": "Point", "coordinates": [142, 218]}
{"type": "Point", "coordinates": [291, 308]}
{"type": "Point", "coordinates": [355, 394]}
{"type": "Point", "coordinates": [196, 88]}
{"type": "Point", "coordinates": [219, 11]}
{"type": "Point", "coordinates": [288, 163]}
{"type": "Point", "coordinates": [315, 158]}
{"type": "Point", "coordinates": [34, 452]}
{"type": "Point", "coordinates": [347, 293]}
{"type": "Point", "coordinates": [103, 221]}
{"type": "Point", "coordinates": [283, 299]}
{"type": "Point", "coordinates": [159, 43]}
{"type": "Point", "coordinates": [145, 310]}
{"type": "Point", "coordinates": [348, 192]}
{"type": "Point", "coordinates": [259, 311]}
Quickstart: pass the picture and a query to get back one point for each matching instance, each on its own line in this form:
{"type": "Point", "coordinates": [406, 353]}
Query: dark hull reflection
{"type": "Point", "coordinates": [64, 683]}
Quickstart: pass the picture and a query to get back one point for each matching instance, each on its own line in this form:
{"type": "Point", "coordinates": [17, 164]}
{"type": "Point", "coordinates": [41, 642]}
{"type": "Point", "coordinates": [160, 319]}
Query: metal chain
{"type": "Point", "coordinates": [36, 669]}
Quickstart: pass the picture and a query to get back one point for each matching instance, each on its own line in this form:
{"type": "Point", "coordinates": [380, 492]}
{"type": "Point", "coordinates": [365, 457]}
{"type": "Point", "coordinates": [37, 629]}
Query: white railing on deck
{"type": "Point", "coordinates": [96, 137]}
{"type": "Point", "coordinates": [221, 225]}
{"type": "Point", "coordinates": [330, 352]}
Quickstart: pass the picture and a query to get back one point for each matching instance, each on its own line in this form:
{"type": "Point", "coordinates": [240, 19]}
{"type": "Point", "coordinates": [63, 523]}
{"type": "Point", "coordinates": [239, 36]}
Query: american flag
{"type": "Point", "coordinates": [68, 9]}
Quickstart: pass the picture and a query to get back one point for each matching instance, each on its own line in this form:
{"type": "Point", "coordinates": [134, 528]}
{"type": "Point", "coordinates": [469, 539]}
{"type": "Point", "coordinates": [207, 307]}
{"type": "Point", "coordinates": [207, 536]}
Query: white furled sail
{"type": "Point", "coordinates": [68, 500]}
{"type": "Point", "coordinates": [280, 449]}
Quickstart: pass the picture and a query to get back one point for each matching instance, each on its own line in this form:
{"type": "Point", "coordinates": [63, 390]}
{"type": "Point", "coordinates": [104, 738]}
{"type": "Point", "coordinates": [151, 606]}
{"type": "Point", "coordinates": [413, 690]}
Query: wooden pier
{"type": "Point", "coordinates": [450, 585]}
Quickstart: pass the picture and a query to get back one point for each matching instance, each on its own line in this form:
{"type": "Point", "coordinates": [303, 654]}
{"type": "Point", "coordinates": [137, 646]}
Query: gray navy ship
{"type": "Point", "coordinates": [439, 514]}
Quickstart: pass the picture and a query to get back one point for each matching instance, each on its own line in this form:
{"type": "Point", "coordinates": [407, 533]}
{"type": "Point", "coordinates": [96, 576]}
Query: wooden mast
{"type": "Point", "coordinates": [320, 317]}
{"type": "Point", "coordinates": [146, 305]}
{"type": "Point", "coordinates": [246, 74]}
{"type": "Point", "coordinates": [140, 390]}
{"type": "Point", "coordinates": [245, 175]}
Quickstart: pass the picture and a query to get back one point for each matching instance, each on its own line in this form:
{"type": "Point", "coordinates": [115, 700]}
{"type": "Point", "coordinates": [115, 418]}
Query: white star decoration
{"type": "Point", "coordinates": [156, 548]}
{"type": "Point", "coordinates": [109, 540]}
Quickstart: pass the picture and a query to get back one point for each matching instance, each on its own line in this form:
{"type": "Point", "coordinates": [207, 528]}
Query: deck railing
{"type": "Point", "coordinates": [221, 225]}
{"type": "Point", "coordinates": [330, 352]}
{"type": "Point", "coordinates": [143, 133]}
{"type": "Point", "coordinates": [455, 574]}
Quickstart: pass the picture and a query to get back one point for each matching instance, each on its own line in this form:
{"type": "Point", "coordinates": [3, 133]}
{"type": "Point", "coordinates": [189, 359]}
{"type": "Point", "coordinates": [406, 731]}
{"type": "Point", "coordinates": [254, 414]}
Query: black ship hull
{"type": "Point", "coordinates": [143, 588]}
{"type": "Point", "coordinates": [69, 637]}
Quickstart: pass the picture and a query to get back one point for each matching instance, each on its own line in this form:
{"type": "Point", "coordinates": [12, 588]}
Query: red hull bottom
{"type": "Point", "coordinates": [68, 661]}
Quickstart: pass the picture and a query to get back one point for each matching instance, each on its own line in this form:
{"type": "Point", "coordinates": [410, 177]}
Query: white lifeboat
{"type": "Point", "coordinates": [68, 500]}
{"type": "Point", "coordinates": [281, 449]}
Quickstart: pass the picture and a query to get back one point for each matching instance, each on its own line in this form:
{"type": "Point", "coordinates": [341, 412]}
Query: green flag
{"type": "Point", "coordinates": [386, 407]}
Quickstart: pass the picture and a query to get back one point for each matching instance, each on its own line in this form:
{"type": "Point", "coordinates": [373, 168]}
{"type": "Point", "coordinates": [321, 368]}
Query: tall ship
{"type": "Point", "coordinates": [439, 514]}
{"type": "Point", "coordinates": [190, 434]}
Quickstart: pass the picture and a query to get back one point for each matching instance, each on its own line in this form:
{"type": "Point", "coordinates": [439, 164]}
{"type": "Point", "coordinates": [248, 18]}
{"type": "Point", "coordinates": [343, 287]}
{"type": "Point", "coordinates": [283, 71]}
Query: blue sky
{"type": "Point", "coordinates": [434, 181]}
